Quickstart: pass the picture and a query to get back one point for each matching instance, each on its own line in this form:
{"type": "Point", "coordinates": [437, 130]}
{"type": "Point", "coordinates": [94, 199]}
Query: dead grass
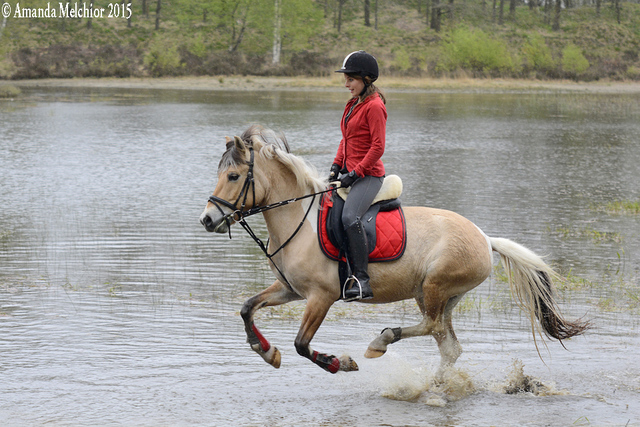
{"type": "Point", "coordinates": [334, 83]}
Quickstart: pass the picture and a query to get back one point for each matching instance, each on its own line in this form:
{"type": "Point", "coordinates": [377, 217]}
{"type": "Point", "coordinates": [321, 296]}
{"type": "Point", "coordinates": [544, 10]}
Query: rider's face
{"type": "Point", "coordinates": [354, 85]}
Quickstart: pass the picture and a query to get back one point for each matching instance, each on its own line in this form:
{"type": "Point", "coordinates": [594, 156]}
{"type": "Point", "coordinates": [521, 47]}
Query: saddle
{"type": "Point", "coordinates": [384, 224]}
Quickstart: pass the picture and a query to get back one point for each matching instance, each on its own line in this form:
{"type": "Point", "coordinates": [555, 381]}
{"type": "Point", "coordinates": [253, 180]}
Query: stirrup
{"type": "Point", "coordinates": [354, 282]}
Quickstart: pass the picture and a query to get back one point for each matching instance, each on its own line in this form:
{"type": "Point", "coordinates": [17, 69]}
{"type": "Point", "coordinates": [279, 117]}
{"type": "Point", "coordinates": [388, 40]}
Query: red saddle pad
{"type": "Point", "coordinates": [391, 234]}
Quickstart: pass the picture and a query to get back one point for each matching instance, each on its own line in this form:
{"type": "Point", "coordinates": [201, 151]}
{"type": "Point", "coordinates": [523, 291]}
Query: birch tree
{"type": "Point", "coordinates": [277, 38]}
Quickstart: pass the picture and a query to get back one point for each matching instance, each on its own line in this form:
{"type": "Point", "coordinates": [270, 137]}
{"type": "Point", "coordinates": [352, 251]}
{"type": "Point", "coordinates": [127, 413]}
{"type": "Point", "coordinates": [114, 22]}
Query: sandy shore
{"type": "Point", "coordinates": [335, 83]}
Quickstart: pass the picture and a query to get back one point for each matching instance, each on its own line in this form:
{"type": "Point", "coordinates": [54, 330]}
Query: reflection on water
{"type": "Point", "coordinates": [116, 307]}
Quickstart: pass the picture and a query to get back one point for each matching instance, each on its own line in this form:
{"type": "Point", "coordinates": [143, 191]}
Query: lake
{"type": "Point", "coordinates": [118, 308]}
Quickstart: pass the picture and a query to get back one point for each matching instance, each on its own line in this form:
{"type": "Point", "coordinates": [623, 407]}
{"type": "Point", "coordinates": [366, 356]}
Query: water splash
{"type": "Point", "coordinates": [453, 384]}
{"type": "Point", "coordinates": [518, 382]}
{"type": "Point", "coordinates": [403, 381]}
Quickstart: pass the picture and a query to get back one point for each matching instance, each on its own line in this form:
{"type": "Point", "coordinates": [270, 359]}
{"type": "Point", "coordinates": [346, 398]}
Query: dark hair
{"type": "Point", "coordinates": [370, 88]}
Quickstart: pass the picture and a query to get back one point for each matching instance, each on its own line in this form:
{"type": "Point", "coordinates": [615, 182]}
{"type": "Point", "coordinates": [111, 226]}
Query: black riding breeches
{"type": "Point", "coordinates": [362, 193]}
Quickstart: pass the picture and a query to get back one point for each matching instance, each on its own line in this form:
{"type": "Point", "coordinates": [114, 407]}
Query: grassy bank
{"type": "Point", "coordinates": [197, 38]}
{"type": "Point", "coordinates": [335, 83]}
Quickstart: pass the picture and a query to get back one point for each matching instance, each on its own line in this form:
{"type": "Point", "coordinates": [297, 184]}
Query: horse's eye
{"type": "Point", "coordinates": [232, 177]}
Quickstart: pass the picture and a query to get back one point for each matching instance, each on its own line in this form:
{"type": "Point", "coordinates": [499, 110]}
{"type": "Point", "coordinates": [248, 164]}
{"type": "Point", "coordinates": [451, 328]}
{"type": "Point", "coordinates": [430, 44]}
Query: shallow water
{"type": "Point", "coordinates": [116, 307]}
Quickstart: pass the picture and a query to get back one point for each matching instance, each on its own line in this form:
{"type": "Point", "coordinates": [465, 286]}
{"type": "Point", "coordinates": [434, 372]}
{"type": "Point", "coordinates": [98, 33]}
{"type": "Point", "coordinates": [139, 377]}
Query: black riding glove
{"type": "Point", "coordinates": [335, 171]}
{"type": "Point", "coordinates": [348, 179]}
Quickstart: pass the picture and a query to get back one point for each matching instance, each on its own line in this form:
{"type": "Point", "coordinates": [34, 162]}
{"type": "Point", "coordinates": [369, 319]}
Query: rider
{"type": "Point", "coordinates": [363, 128]}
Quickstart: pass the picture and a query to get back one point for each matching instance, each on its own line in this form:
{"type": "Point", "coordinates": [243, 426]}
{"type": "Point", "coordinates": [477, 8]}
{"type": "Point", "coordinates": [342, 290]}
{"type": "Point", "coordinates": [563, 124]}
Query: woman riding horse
{"type": "Point", "coordinates": [363, 127]}
{"type": "Point", "coordinates": [446, 256]}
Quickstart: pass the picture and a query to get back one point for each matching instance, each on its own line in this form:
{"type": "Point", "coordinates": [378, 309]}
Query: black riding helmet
{"type": "Point", "coordinates": [360, 63]}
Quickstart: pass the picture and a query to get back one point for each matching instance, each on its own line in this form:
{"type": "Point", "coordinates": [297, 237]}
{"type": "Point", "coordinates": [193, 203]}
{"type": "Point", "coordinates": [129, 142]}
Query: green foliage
{"type": "Point", "coordinates": [633, 73]}
{"type": "Point", "coordinates": [624, 207]}
{"type": "Point", "coordinates": [8, 91]}
{"type": "Point", "coordinates": [197, 47]}
{"type": "Point", "coordinates": [537, 54]}
{"type": "Point", "coordinates": [474, 50]}
{"type": "Point", "coordinates": [301, 20]}
{"type": "Point", "coordinates": [237, 37]}
{"type": "Point", "coordinates": [162, 58]}
{"type": "Point", "coordinates": [573, 61]}
{"type": "Point", "coordinates": [402, 59]}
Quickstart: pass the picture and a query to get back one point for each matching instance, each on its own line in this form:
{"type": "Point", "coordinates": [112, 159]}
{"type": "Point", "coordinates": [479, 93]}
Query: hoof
{"type": "Point", "coordinates": [347, 364]}
{"type": "Point", "coordinates": [271, 356]}
{"type": "Point", "coordinates": [372, 353]}
{"type": "Point", "coordinates": [276, 358]}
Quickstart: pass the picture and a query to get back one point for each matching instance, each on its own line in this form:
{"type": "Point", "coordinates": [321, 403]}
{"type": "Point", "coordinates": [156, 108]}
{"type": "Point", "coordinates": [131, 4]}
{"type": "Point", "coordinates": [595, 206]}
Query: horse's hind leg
{"type": "Point", "coordinates": [276, 294]}
{"type": "Point", "coordinates": [450, 348]}
{"type": "Point", "coordinates": [436, 321]}
{"type": "Point", "coordinates": [378, 347]}
{"type": "Point", "coordinates": [431, 317]}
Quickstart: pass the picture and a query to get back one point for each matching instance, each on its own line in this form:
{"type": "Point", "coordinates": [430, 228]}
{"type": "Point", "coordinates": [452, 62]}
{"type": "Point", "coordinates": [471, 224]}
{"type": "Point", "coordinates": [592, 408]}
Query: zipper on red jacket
{"type": "Point", "coordinates": [346, 118]}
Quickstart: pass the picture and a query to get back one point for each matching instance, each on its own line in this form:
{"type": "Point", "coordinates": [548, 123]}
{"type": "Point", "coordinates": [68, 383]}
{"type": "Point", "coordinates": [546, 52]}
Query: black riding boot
{"type": "Point", "coordinates": [358, 253]}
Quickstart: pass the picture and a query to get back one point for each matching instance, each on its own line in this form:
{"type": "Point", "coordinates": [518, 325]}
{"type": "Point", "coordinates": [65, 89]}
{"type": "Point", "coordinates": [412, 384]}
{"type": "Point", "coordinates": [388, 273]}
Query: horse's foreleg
{"type": "Point", "coordinates": [275, 294]}
{"type": "Point", "coordinates": [314, 314]}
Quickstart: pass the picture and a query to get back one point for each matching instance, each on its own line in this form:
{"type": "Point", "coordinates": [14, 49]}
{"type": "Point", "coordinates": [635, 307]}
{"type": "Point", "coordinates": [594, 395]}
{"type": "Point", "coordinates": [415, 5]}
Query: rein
{"type": "Point", "coordinates": [240, 214]}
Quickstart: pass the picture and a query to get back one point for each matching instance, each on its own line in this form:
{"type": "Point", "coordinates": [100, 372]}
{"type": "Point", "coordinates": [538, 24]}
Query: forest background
{"type": "Point", "coordinates": [583, 40]}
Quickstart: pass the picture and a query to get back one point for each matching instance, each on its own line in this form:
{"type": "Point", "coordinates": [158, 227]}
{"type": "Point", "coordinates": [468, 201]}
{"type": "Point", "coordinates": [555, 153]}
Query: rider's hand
{"type": "Point", "coordinates": [335, 171]}
{"type": "Point", "coordinates": [348, 179]}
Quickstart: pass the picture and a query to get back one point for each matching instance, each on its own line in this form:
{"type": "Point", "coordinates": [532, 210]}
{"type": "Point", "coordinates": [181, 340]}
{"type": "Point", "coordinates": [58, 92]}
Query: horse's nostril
{"type": "Point", "coordinates": [206, 221]}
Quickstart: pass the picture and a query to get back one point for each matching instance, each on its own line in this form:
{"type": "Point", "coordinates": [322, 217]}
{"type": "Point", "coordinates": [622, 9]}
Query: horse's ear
{"type": "Point", "coordinates": [239, 144]}
{"type": "Point", "coordinates": [229, 142]}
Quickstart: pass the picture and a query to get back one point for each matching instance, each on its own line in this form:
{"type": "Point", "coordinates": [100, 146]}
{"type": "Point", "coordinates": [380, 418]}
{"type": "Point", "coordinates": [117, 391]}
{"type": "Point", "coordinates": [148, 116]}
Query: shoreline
{"type": "Point", "coordinates": [333, 83]}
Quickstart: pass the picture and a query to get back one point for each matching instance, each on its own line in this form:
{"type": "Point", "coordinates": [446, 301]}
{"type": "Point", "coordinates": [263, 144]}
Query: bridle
{"type": "Point", "coordinates": [239, 214]}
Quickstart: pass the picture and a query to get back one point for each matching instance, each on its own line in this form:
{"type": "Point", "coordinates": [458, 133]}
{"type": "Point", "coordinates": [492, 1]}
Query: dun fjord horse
{"type": "Point", "coordinates": [446, 256]}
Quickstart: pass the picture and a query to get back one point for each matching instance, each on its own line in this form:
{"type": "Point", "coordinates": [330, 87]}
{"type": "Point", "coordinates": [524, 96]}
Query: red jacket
{"type": "Point", "coordinates": [363, 137]}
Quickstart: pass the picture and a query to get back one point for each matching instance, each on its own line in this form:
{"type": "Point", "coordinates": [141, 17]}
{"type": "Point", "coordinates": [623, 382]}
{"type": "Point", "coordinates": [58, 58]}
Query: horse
{"type": "Point", "coordinates": [446, 256]}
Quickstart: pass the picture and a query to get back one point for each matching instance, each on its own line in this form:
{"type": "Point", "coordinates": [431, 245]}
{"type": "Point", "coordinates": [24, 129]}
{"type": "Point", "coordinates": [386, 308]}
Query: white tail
{"type": "Point", "coordinates": [531, 282]}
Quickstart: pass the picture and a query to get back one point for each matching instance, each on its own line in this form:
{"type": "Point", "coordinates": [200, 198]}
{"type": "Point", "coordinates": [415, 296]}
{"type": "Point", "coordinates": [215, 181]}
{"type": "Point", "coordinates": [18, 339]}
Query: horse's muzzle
{"type": "Point", "coordinates": [211, 225]}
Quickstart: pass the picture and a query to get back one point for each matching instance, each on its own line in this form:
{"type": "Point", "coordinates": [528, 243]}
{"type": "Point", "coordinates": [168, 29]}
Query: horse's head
{"type": "Point", "coordinates": [237, 189]}
{"type": "Point", "coordinates": [256, 167]}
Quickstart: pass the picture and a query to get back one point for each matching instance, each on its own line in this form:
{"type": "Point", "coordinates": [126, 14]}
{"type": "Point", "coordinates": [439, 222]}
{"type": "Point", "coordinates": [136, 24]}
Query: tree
{"type": "Point", "coordinates": [124, 12]}
{"type": "Point", "coordinates": [367, 9]}
{"type": "Point", "coordinates": [301, 19]}
{"type": "Point", "coordinates": [89, 23]}
{"type": "Point", "coordinates": [158, 6]}
{"type": "Point", "coordinates": [277, 39]}
{"type": "Point", "coordinates": [375, 14]}
{"type": "Point", "coordinates": [436, 14]}
{"type": "Point", "coordinates": [556, 17]}
{"type": "Point", "coordinates": [340, 8]}
{"type": "Point", "coordinates": [427, 11]}
{"type": "Point", "coordinates": [238, 34]}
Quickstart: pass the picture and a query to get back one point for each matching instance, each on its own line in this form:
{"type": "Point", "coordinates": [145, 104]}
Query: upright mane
{"type": "Point", "coordinates": [271, 145]}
